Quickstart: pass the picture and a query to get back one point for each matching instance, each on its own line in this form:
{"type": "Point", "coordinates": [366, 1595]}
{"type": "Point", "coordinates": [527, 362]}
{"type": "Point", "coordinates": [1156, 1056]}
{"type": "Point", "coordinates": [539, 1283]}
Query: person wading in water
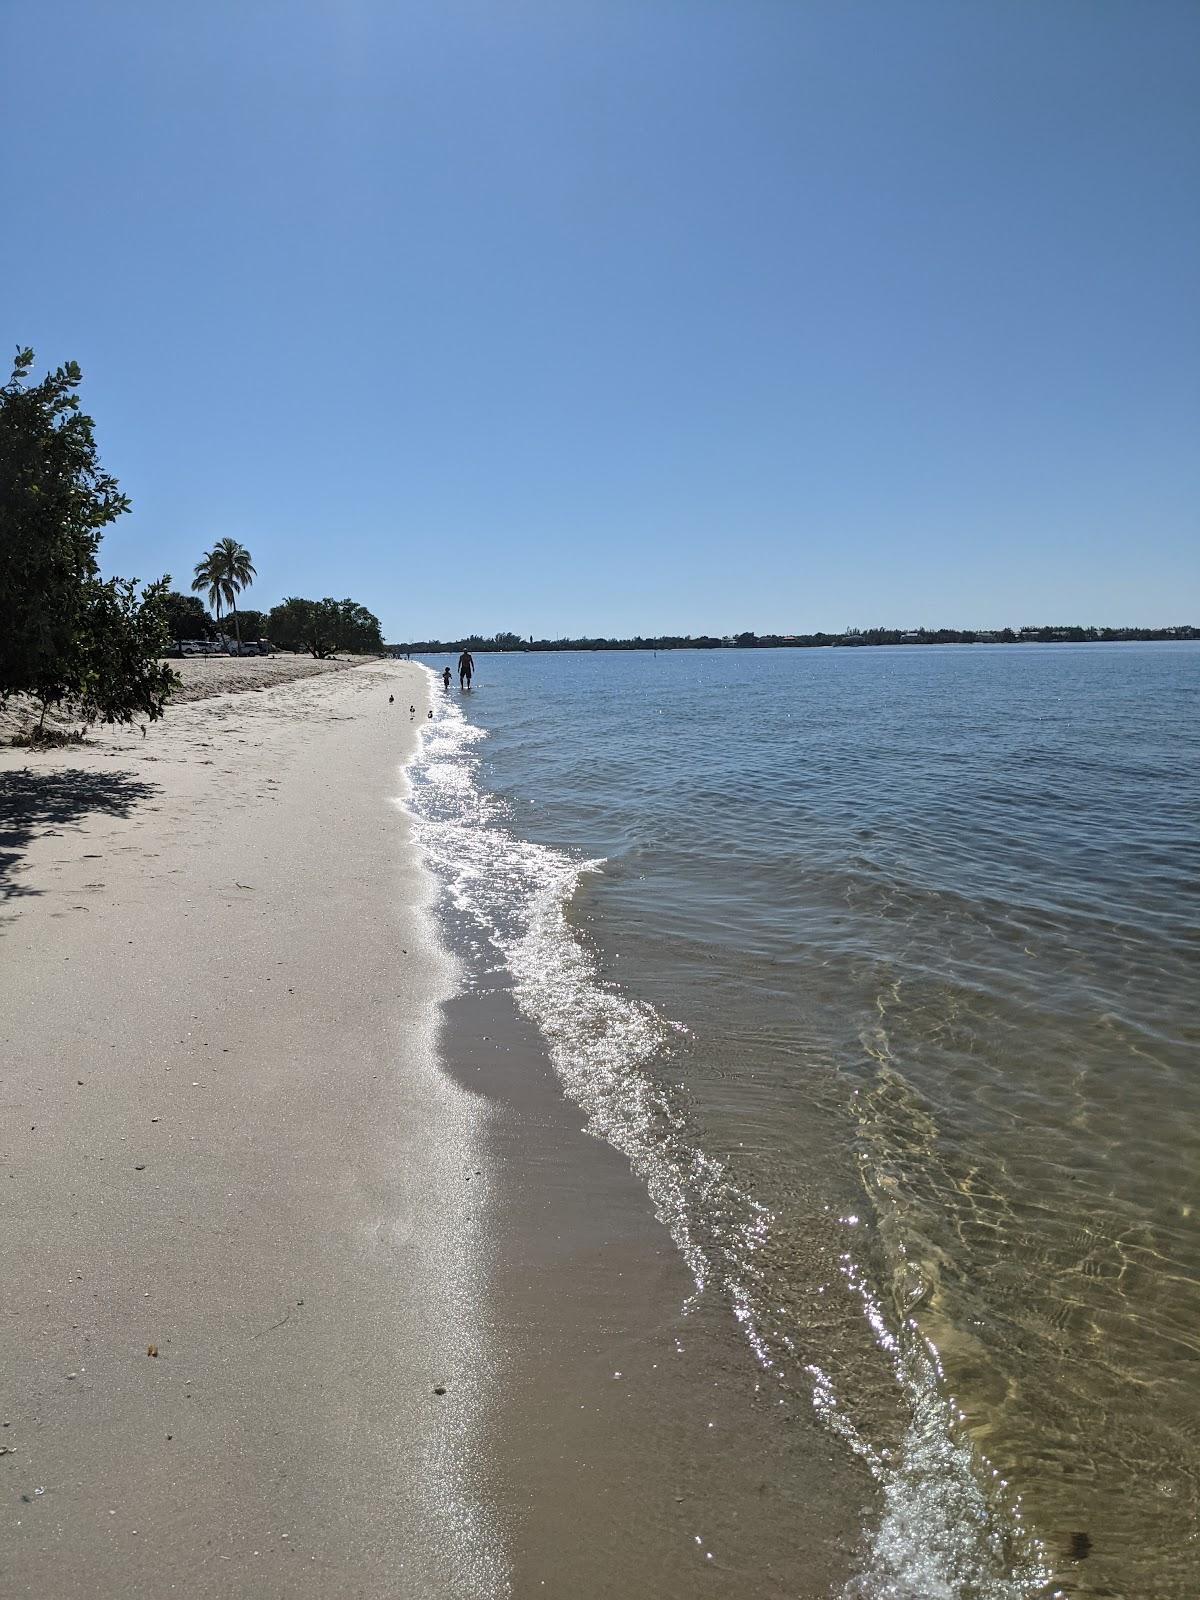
{"type": "Point", "coordinates": [466, 666]}
{"type": "Point", "coordinates": [446, 679]}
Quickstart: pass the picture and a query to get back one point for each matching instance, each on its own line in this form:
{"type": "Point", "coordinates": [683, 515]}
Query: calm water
{"type": "Point", "coordinates": [882, 967]}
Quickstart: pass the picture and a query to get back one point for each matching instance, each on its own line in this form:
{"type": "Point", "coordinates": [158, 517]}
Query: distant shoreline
{"type": "Point", "coordinates": [503, 644]}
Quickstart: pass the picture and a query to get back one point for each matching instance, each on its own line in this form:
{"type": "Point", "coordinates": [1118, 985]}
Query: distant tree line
{"type": "Point", "coordinates": [324, 627]}
{"type": "Point", "coordinates": [320, 628]}
{"type": "Point", "coordinates": [852, 638]}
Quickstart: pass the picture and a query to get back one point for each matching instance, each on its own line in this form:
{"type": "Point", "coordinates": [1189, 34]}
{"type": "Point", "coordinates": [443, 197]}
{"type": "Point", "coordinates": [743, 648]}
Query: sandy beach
{"type": "Point", "coordinates": [201, 677]}
{"type": "Point", "coordinates": [313, 1284]}
{"type": "Point", "coordinates": [231, 1287]}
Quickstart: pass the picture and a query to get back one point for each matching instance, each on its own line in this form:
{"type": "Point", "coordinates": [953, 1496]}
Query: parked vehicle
{"type": "Point", "coordinates": [196, 647]}
{"type": "Point", "coordinates": [220, 646]}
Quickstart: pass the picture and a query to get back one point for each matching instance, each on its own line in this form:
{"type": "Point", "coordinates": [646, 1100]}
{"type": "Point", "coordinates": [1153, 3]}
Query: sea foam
{"type": "Point", "coordinates": [945, 1533]}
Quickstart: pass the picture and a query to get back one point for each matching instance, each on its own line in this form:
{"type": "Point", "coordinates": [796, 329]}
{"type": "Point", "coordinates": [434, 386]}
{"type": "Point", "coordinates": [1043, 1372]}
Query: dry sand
{"type": "Point", "coordinates": [202, 677]}
{"type": "Point", "coordinates": [208, 675]}
{"type": "Point", "coordinates": [225, 1136]}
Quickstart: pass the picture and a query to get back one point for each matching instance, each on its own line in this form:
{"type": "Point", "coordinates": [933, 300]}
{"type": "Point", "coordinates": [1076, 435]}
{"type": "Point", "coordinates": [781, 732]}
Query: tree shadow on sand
{"type": "Point", "coordinates": [34, 803]}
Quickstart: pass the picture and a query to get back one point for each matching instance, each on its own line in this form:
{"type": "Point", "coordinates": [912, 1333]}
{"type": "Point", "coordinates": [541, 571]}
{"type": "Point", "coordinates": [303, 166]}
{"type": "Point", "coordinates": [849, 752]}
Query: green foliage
{"type": "Point", "coordinates": [296, 624]}
{"type": "Point", "coordinates": [64, 634]}
{"type": "Point", "coordinates": [324, 627]}
{"type": "Point", "coordinates": [185, 616]}
{"type": "Point", "coordinates": [358, 628]}
{"type": "Point", "coordinates": [224, 572]}
{"type": "Point", "coordinates": [122, 635]}
{"type": "Point", "coordinates": [253, 623]}
{"type": "Point", "coordinates": [54, 500]}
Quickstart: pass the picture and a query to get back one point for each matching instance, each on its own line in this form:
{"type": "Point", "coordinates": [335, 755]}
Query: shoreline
{"type": "Point", "coordinates": [268, 1112]}
{"type": "Point", "coordinates": [637, 1447]}
{"type": "Point", "coordinates": [638, 1444]}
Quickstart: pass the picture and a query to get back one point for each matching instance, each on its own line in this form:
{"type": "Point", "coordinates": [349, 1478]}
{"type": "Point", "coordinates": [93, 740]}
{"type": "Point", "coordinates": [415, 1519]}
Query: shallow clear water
{"type": "Point", "coordinates": [881, 966]}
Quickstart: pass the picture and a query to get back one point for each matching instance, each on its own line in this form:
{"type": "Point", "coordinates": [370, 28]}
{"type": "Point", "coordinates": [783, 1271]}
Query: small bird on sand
{"type": "Point", "coordinates": [431, 716]}
{"type": "Point", "coordinates": [412, 711]}
{"type": "Point", "coordinates": [391, 699]}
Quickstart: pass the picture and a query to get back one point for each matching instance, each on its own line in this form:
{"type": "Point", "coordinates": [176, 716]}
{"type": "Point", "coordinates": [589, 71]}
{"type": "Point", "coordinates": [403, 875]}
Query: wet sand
{"type": "Point", "coordinates": [249, 1121]}
{"type": "Point", "coordinates": [639, 1449]}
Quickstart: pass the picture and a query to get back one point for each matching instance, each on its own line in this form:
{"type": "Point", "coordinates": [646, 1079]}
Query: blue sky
{"type": "Point", "coordinates": [628, 317]}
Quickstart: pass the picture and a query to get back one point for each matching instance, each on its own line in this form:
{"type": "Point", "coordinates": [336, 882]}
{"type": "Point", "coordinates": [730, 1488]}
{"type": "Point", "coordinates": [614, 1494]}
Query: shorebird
{"type": "Point", "coordinates": [391, 699]}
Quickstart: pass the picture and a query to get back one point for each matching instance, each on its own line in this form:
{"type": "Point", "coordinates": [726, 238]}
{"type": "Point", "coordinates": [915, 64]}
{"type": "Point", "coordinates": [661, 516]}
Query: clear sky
{"type": "Point", "coordinates": [629, 315]}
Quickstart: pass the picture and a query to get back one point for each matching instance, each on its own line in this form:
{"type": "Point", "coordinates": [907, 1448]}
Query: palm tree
{"type": "Point", "coordinates": [225, 571]}
{"type": "Point", "coordinates": [208, 576]}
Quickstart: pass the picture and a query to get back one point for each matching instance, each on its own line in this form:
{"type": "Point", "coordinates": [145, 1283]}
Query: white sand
{"type": "Point", "coordinates": [201, 677]}
{"type": "Point", "coordinates": [224, 1134]}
